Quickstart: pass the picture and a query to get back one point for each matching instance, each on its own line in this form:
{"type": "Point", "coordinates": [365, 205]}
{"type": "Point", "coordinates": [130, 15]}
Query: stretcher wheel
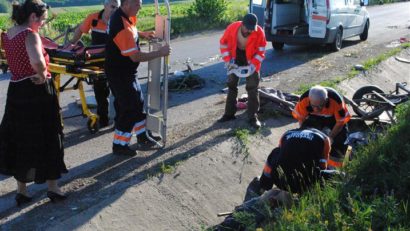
{"type": "Point", "coordinates": [92, 125]}
{"type": "Point", "coordinates": [368, 101]}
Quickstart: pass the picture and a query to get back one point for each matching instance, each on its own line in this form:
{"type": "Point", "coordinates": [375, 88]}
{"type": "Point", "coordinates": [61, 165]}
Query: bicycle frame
{"type": "Point", "coordinates": [386, 102]}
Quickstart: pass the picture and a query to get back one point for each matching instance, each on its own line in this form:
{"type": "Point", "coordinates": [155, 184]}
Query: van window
{"type": "Point", "coordinates": [257, 2]}
{"type": "Point", "coordinates": [339, 3]}
{"type": "Point", "coordinates": [356, 2]}
{"type": "Point", "coordinates": [320, 3]}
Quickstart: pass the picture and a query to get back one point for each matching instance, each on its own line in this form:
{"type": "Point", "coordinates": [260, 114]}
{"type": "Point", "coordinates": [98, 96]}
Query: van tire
{"type": "Point", "coordinates": [365, 34]}
{"type": "Point", "coordinates": [337, 43]}
{"type": "Point", "coordinates": [278, 45]}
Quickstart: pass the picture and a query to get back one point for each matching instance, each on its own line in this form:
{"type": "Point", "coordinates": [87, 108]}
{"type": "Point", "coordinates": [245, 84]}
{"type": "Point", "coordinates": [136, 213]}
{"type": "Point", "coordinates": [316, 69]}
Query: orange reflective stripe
{"type": "Point", "coordinates": [121, 138]}
{"type": "Point", "coordinates": [319, 17]}
{"type": "Point", "coordinates": [267, 169]}
{"type": "Point", "coordinates": [335, 163]}
{"type": "Point", "coordinates": [326, 148]}
{"type": "Point", "coordinates": [138, 128]}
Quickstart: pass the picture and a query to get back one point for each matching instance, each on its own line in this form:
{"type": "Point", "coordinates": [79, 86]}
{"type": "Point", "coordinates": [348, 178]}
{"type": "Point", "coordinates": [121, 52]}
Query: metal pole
{"type": "Point", "coordinates": [166, 69]}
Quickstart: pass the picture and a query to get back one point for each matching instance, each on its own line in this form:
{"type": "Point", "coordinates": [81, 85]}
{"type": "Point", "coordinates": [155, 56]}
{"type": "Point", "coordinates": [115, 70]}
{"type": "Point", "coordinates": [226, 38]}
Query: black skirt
{"type": "Point", "coordinates": [31, 137]}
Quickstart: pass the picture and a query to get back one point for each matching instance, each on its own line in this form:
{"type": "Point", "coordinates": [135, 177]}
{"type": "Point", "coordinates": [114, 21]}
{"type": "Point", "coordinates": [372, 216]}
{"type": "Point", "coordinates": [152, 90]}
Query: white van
{"type": "Point", "coordinates": [298, 22]}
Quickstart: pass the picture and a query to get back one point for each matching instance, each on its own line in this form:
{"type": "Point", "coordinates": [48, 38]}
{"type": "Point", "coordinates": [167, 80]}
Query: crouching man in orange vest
{"type": "Point", "coordinates": [243, 44]}
{"type": "Point", "coordinates": [323, 107]}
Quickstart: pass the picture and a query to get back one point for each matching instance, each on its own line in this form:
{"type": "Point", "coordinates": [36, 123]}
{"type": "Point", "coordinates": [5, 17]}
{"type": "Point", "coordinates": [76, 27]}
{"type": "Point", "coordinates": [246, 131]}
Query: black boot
{"type": "Point", "coordinates": [104, 121]}
{"type": "Point", "coordinates": [254, 122]}
{"type": "Point", "coordinates": [145, 141]}
{"type": "Point", "coordinates": [123, 150]}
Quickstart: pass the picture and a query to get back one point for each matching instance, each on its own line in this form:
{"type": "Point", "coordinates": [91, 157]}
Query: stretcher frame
{"type": "Point", "coordinates": [81, 74]}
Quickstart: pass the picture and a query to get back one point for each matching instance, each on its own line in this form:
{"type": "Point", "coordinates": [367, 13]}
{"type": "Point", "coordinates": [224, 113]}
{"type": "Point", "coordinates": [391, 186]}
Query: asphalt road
{"type": "Point", "coordinates": [387, 22]}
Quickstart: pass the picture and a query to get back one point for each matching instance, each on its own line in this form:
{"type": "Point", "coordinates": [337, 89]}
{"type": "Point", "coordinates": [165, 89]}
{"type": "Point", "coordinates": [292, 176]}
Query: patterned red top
{"type": "Point", "coordinates": [17, 57]}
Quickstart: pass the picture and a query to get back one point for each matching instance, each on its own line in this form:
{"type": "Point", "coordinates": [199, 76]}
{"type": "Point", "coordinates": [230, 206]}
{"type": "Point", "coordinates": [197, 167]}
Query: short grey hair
{"type": "Point", "coordinates": [109, 1]}
{"type": "Point", "coordinates": [318, 93]}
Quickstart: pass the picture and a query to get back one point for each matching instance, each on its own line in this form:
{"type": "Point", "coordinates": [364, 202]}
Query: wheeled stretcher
{"type": "Point", "coordinates": [82, 64]}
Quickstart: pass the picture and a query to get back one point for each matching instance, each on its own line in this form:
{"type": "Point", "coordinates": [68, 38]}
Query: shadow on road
{"type": "Point", "coordinates": [109, 176]}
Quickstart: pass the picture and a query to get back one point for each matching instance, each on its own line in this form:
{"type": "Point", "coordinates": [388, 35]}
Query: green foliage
{"type": "Point", "coordinates": [385, 165]}
{"type": "Point", "coordinates": [167, 169]}
{"type": "Point", "coordinates": [242, 134]}
{"type": "Point", "coordinates": [327, 83]}
{"type": "Point", "coordinates": [374, 61]}
{"type": "Point", "coordinates": [4, 6]}
{"type": "Point", "coordinates": [328, 208]}
{"type": "Point", "coordinates": [246, 219]}
{"type": "Point", "coordinates": [5, 23]}
{"type": "Point", "coordinates": [181, 21]}
{"type": "Point", "coordinates": [208, 10]}
{"type": "Point", "coordinates": [405, 45]}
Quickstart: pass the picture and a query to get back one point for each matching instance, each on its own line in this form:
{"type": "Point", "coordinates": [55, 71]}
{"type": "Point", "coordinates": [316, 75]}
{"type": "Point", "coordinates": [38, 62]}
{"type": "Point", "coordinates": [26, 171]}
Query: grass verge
{"type": "Point", "coordinates": [367, 65]}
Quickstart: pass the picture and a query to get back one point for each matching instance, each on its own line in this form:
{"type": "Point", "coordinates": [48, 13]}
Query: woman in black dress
{"type": "Point", "coordinates": [31, 147]}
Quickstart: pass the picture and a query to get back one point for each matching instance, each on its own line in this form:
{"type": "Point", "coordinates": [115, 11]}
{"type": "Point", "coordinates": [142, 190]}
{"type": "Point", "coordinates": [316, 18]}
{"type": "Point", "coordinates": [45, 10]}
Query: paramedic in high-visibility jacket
{"type": "Point", "coordinates": [97, 23]}
{"type": "Point", "coordinates": [123, 55]}
{"type": "Point", "coordinates": [323, 107]}
{"type": "Point", "coordinates": [243, 44]}
{"type": "Point", "coordinates": [295, 165]}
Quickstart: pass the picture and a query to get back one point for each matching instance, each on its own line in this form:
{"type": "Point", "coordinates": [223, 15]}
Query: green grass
{"type": "Point", "coordinates": [181, 22]}
{"type": "Point", "coordinates": [242, 135]}
{"type": "Point", "coordinates": [374, 61]}
{"type": "Point", "coordinates": [167, 169]}
{"type": "Point", "coordinates": [76, 9]}
{"type": "Point", "coordinates": [246, 219]}
{"type": "Point", "coordinates": [327, 83]}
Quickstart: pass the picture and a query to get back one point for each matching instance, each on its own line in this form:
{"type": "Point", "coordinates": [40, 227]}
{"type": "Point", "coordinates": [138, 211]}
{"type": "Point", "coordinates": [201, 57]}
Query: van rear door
{"type": "Point", "coordinates": [258, 8]}
{"type": "Point", "coordinates": [318, 17]}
